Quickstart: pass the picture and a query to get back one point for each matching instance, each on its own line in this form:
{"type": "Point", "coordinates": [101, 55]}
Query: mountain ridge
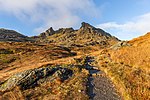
{"type": "Point", "coordinates": [86, 35]}
{"type": "Point", "coordinates": [11, 35]}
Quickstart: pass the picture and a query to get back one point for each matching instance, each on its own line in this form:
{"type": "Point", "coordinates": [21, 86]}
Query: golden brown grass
{"type": "Point", "coordinates": [129, 68]}
{"type": "Point", "coordinates": [73, 88]}
{"type": "Point", "coordinates": [136, 55]}
{"type": "Point", "coordinates": [26, 56]}
{"type": "Point", "coordinates": [30, 56]}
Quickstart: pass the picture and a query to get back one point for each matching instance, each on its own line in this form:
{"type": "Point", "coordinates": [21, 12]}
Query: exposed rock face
{"type": "Point", "coordinates": [64, 30]}
{"type": "Point", "coordinates": [48, 32]}
{"type": "Point", "coordinates": [34, 77]}
{"type": "Point", "coordinates": [85, 25]}
{"type": "Point", "coordinates": [120, 44]}
{"type": "Point", "coordinates": [11, 35]}
{"type": "Point", "coordinates": [87, 35]}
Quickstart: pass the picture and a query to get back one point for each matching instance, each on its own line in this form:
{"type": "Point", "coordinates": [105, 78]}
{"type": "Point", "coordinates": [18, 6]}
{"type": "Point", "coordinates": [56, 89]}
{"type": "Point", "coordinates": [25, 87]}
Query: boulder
{"type": "Point", "coordinates": [120, 44]}
{"type": "Point", "coordinates": [32, 78]}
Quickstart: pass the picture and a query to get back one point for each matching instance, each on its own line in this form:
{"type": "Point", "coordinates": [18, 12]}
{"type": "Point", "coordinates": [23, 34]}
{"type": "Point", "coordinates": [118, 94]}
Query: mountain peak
{"type": "Point", "coordinates": [87, 35]}
{"type": "Point", "coordinates": [86, 25]}
{"type": "Point", "coordinates": [48, 32]}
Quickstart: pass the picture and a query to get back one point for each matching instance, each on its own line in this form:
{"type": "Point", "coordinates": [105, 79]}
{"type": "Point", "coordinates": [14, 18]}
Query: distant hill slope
{"type": "Point", "coordinates": [87, 35]}
{"type": "Point", "coordinates": [11, 35]}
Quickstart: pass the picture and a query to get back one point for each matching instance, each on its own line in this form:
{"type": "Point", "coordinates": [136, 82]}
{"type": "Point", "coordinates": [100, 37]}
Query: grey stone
{"type": "Point", "coordinates": [31, 77]}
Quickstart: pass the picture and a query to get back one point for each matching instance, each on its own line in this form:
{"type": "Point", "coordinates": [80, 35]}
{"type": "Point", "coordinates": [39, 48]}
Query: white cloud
{"type": "Point", "coordinates": [55, 13]}
{"type": "Point", "coordinates": [128, 30]}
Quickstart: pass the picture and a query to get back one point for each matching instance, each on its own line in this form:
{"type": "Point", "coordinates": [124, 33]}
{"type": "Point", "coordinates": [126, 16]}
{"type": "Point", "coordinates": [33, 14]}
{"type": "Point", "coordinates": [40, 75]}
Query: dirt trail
{"type": "Point", "coordinates": [100, 86]}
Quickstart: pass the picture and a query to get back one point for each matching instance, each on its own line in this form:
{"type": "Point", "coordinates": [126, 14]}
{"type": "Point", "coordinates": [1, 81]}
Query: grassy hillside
{"type": "Point", "coordinates": [55, 66]}
{"type": "Point", "coordinates": [129, 68]}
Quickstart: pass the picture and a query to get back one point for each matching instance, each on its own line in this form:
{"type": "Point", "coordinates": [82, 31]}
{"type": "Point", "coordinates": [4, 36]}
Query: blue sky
{"type": "Point", "coordinates": [125, 19]}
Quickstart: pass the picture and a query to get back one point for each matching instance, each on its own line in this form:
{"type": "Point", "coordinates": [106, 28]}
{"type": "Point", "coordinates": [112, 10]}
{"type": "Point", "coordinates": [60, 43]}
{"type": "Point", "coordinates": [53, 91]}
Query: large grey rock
{"type": "Point", "coordinates": [31, 78]}
{"type": "Point", "coordinates": [120, 44]}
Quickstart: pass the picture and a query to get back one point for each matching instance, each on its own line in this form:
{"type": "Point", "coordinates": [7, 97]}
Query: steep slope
{"type": "Point", "coordinates": [136, 54]}
{"type": "Point", "coordinates": [87, 35]}
{"type": "Point", "coordinates": [129, 67]}
{"type": "Point", "coordinates": [11, 35]}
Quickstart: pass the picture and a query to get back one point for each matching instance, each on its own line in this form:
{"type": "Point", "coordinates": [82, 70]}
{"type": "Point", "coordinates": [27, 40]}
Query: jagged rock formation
{"type": "Point", "coordinates": [11, 35]}
{"type": "Point", "coordinates": [34, 77]}
{"type": "Point", "coordinates": [47, 33]}
{"type": "Point", "coordinates": [90, 29]}
{"type": "Point", "coordinates": [87, 35]}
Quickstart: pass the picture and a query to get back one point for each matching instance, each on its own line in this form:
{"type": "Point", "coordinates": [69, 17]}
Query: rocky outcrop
{"type": "Point", "coordinates": [64, 30]}
{"type": "Point", "coordinates": [34, 77]}
{"type": "Point", "coordinates": [50, 32]}
{"type": "Point", "coordinates": [87, 35]}
{"type": "Point", "coordinates": [85, 27]}
{"type": "Point", "coordinates": [47, 33]}
{"type": "Point", "coordinates": [120, 44]}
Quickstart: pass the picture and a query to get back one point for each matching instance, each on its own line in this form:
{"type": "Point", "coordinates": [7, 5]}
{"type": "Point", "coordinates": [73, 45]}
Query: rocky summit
{"type": "Point", "coordinates": [87, 35]}
{"type": "Point", "coordinates": [73, 64]}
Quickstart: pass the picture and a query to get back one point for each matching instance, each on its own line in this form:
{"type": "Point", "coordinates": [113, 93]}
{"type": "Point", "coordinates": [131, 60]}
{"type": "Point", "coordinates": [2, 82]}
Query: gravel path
{"type": "Point", "coordinates": [100, 87]}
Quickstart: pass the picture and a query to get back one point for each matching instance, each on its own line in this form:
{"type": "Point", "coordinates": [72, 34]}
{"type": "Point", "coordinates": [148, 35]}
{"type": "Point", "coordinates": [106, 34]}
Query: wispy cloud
{"type": "Point", "coordinates": [55, 13]}
{"type": "Point", "coordinates": [128, 30]}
